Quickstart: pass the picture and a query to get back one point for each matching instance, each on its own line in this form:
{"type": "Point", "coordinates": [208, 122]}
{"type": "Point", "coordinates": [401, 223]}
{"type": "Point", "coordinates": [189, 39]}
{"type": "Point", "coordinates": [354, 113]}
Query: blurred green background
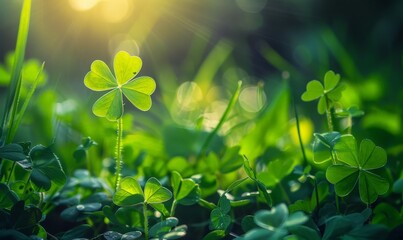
{"type": "Point", "coordinates": [197, 51]}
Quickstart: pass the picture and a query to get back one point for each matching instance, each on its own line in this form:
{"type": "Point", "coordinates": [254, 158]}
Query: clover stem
{"type": "Point", "coordinates": [145, 221]}
{"type": "Point", "coordinates": [118, 153]}
{"type": "Point", "coordinates": [349, 124]}
{"type": "Point", "coordinates": [328, 115]}
{"type": "Point", "coordinates": [173, 208]}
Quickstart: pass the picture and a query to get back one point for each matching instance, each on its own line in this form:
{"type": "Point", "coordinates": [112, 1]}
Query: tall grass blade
{"type": "Point", "coordinates": [15, 81]}
{"type": "Point", "coordinates": [222, 119]}
{"type": "Point", "coordinates": [24, 106]}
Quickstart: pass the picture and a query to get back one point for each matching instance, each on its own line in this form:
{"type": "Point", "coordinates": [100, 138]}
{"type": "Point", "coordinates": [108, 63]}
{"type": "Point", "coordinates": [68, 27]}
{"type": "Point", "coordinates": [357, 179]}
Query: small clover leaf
{"type": "Point", "coordinates": [323, 146]}
{"type": "Point", "coordinates": [356, 168]}
{"type": "Point", "coordinates": [129, 193]}
{"type": "Point", "coordinates": [185, 191]}
{"type": "Point", "coordinates": [327, 94]}
{"type": "Point", "coordinates": [154, 192]}
{"type": "Point", "coordinates": [351, 112]}
{"type": "Point", "coordinates": [137, 90]}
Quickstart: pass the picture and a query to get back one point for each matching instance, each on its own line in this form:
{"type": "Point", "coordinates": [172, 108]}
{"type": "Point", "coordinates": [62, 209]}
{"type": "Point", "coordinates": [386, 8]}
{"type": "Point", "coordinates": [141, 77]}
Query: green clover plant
{"type": "Point", "coordinates": [110, 105]}
{"type": "Point", "coordinates": [328, 94]}
{"type": "Point", "coordinates": [137, 90]}
{"type": "Point", "coordinates": [130, 193]}
{"type": "Point", "coordinates": [356, 168]}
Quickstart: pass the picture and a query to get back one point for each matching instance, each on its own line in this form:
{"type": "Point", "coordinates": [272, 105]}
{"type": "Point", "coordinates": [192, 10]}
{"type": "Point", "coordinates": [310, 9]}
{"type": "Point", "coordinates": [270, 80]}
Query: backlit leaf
{"type": "Point", "coordinates": [100, 77]}
{"type": "Point", "coordinates": [331, 80]}
{"type": "Point", "coordinates": [109, 105]}
{"type": "Point", "coordinates": [154, 192]}
{"type": "Point", "coordinates": [129, 193]}
{"type": "Point", "coordinates": [126, 67]}
{"type": "Point", "coordinates": [314, 89]}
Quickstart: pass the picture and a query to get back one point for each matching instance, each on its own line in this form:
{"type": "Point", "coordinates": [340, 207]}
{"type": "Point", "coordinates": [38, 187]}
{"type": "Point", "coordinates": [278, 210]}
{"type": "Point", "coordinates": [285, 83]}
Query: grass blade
{"type": "Point", "coordinates": [15, 82]}
{"type": "Point", "coordinates": [222, 119]}
{"type": "Point", "coordinates": [24, 106]}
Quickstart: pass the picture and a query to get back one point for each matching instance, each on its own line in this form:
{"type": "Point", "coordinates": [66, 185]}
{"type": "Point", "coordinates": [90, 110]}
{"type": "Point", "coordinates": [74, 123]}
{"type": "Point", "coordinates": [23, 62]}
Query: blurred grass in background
{"type": "Point", "coordinates": [197, 51]}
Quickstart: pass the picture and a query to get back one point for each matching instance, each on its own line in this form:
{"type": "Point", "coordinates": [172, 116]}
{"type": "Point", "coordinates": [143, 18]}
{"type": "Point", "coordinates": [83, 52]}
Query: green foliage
{"type": "Point", "coordinates": [277, 223]}
{"type": "Point", "coordinates": [137, 90]}
{"type": "Point", "coordinates": [182, 172]}
{"type": "Point", "coordinates": [46, 168]}
{"type": "Point", "coordinates": [328, 94]}
{"type": "Point", "coordinates": [356, 168]}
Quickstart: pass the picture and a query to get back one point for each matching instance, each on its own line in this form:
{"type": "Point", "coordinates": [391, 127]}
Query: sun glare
{"type": "Point", "coordinates": [83, 5]}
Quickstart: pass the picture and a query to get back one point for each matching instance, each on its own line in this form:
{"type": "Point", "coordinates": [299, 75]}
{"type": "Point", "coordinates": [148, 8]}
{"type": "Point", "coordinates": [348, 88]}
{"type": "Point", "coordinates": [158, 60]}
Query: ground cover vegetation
{"type": "Point", "coordinates": [149, 157]}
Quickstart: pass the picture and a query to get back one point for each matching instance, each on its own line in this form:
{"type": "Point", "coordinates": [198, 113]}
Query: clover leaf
{"type": "Point", "coordinates": [323, 146]}
{"type": "Point", "coordinates": [327, 94]}
{"type": "Point", "coordinates": [46, 168]}
{"type": "Point", "coordinates": [137, 90]}
{"type": "Point", "coordinates": [356, 169]}
{"type": "Point", "coordinates": [130, 193]}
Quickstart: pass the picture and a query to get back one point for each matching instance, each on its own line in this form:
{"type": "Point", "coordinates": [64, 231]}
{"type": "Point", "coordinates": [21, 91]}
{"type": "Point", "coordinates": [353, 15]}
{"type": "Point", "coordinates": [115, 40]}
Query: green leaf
{"type": "Point", "coordinates": [109, 105]}
{"type": "Point", "coordinates": [13, 152]}
{"type": "Point", "coordinates": [370, 186]}
{"type": "Point", "coordinates": [112, 235]}
{"type": "Point", "coordinates": [177, 232]}
{"type": "Point", "coordinates": [215, 235]}
{"type": "Point", "coordinates": [314, 89]}
{"type": "Point", "coordinates": [323, 146]}
{"type": "Point", "coordinates": [346, 150]}
{"type": "Point", "coordinates": [336, 93]}
{"type": "Point", "coordinates": [138, 92]}
{"type": "Point", "coordinates": [82, 231]}
{"type": "Point", "coordinates": [130, 216]}
{"type": "Point", "coordinates": [129, 193]}
{"type": "Point", "coordinates": [176, 181]}
{"type": "Point", "coordinates": [344, 177]}
{"type": "Point", "coordinates": [371, 156]}
{"type": "Point", "coordinates": [248, 169]}
{"type": "Point", "coordinates": [163, 227]}
{"type": "Point", "coordinates": [387, 215]}
{"type": "Point", "coordinates": [263, 191]}
{"type": "Point", "coordinates": [154, 192]}
{"type": "Point", "coordinates": [323, 105]}
{"type": "Point", "coordinates": [219, 219]}
{"type": "Point", "coordinates": [231, 160]}
{"type": "Point", "coordinates": [352, 111]}
{"type": "Point", "coordinates": [126, 67]}
{"type": "Point", "coordinates": [270, 220]}
{"type": "Point", "coordinates": [295, 219]}
{"type": "Point", "coordinates": [304, 233]}
{"type": "Point", "coordinates": [131, 235]}
{"type": "Point", "coordinates": [46, 168]}
{"type": "Point", "coordinates": [100, 77]}
{"type": "Point", "coordinates": [331, 80]}
{"type": "Point", "coordinates": [7, 197]}
{"type": "Point", "coordinates": [224, 204]}
{"type": "Point", "coordinates": [262, 234]}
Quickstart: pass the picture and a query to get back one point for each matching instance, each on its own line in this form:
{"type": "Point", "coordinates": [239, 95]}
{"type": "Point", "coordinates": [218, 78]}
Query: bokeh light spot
{"type": "Point", "coordinates": [83, 5]}
{"type": "Point", "coordinates": [189, 95]}
{"type": "Point", "coordinates": [252, 99]}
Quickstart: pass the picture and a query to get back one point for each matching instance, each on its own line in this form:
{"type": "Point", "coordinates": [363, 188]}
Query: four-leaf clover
{"type": "Point", "coordinates": [137, 90]}
{"type": "Point", "coordinates": [356, 168]}
{"type": "Point", "coordinates": [327, 94]}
